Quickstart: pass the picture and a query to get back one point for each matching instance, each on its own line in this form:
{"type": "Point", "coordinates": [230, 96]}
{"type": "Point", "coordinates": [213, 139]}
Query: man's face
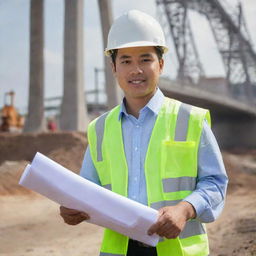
{"type": "Point", "coordinates": [137, 71]}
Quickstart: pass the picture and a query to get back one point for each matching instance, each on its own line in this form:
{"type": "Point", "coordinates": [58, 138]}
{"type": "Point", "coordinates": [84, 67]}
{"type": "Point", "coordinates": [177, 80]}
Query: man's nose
{"type": "Point", "coordinates": [136, 69]}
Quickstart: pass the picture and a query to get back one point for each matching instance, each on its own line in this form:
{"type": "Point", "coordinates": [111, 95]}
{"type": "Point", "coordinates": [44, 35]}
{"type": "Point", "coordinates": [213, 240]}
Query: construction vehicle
{"type": "Point", "coordinates": [11, 120]}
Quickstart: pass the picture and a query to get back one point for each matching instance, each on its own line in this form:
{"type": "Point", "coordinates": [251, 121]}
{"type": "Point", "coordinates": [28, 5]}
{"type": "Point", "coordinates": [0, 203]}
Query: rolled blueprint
{"type": "Point", "coordinates": [106, 208]}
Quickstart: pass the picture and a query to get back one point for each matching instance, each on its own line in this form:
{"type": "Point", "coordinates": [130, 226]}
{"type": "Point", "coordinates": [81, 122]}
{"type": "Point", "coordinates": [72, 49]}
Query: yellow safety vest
{"type": "Point", "coordinates": [170, 171]}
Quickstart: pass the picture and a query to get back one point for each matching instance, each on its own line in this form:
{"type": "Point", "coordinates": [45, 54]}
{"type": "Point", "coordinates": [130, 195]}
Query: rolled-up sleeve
{"type": "Point", "coordinates": [209, 196]}
{"type": "Point", "coordinates": [88, 170]}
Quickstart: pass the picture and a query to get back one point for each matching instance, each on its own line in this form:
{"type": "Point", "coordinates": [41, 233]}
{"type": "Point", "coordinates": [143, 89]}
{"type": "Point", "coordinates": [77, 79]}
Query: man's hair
{"type": "Point", "coordinates": [159, 52]}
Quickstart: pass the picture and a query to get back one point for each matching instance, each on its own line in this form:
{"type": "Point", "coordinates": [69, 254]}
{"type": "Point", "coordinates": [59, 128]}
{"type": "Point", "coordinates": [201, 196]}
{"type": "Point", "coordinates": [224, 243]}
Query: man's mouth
{"type": "Point", "coordinates": [137, 81]}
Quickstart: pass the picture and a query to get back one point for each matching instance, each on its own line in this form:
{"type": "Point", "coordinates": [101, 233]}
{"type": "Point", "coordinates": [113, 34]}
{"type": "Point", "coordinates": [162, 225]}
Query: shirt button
{"type": "Point", "coordinates": [134, 197]}
{"type": "Point", "coordinates": [137, 126]}
{"type": "Point", "coordinates": [135, 148]}
{"type": "Point", "coordinates": [135, 179]}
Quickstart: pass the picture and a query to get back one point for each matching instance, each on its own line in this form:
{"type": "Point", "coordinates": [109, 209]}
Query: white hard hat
{"type": "Point", "coordinates": [134, 29]}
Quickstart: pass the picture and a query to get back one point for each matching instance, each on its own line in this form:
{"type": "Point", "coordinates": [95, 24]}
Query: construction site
{"type": "Point", "coordinates": [30, 224]}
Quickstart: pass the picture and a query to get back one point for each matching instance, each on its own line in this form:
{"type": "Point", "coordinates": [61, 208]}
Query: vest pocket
{"type": "Point", "coordinates": [179, 163]}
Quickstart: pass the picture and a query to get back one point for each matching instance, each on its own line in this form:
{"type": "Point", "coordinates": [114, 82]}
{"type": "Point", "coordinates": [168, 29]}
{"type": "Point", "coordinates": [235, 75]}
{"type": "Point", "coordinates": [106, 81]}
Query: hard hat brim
{"type": "Point", "coordinates": [134, 44]}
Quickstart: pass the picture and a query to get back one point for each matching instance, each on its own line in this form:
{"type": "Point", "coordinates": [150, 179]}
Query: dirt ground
{"type": "Point", "coordinates": [30, 224]}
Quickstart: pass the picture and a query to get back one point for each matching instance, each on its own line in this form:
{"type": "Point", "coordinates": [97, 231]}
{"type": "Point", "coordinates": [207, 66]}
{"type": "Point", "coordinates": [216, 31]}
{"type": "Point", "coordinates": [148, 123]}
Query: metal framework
{"type": "Point", "coordinates": [174, 17]}
{"type": "Point", "coordinates": [231, 35]}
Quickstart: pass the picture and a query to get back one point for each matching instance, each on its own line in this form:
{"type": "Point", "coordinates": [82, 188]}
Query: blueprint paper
{"type": "Point", "coordinates": [105, 207]}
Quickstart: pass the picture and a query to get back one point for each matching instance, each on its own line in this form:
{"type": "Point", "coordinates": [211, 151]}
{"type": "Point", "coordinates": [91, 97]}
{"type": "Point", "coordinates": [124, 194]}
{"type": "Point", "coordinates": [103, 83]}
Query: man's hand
{"type": "Point", "coordinates": [72, 217]}
{"type": "Point", "coordinates": [172, 220]}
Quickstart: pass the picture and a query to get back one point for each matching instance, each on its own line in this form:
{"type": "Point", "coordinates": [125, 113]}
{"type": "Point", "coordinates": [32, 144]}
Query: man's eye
{"type": "Point", "coordinates": [125, 62]}
{"type": "Point", "coordinates": [146, 60]}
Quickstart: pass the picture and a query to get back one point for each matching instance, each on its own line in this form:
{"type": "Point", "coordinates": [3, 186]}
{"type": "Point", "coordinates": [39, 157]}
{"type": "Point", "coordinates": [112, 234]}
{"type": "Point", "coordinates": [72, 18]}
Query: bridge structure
{"type": "Point", "coordinates": [231, 99]}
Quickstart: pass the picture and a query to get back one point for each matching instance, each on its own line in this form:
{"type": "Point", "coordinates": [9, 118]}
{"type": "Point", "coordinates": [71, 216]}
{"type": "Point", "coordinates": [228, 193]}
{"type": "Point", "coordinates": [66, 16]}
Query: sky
{"type": "Point", "coordinates": [14, 44]}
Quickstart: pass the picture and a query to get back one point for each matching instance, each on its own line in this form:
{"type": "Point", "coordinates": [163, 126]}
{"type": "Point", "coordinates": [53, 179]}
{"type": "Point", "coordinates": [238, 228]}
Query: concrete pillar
{"type": "Point", "coordinates": [74, 116]}
{"type": "Point", "coordinates": [114, 93]}
{"type": "Point", "coordinates": [35, 119]}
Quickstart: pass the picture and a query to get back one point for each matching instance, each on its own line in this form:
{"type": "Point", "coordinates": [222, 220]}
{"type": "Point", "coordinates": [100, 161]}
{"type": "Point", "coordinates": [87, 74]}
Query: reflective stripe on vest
{"type": "Point", "coordinates": [192, 228]}
{"type": "Point", "coordinates": [161, 204]}
{"type": "Point", "coordinates": [179, 184]}
{"type": "Point", "coordinates": [182, 122]}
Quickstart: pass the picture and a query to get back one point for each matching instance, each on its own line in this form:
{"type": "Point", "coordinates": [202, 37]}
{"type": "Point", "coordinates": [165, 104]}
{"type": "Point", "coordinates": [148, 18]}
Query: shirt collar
{"type": "Point", "coordinates": [154, 104]}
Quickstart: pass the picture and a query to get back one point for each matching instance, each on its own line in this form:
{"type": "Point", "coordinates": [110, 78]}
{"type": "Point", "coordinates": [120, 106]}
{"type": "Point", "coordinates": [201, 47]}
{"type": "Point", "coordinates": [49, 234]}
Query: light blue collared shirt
{"type": "Point", "coordinates": [209, 195]}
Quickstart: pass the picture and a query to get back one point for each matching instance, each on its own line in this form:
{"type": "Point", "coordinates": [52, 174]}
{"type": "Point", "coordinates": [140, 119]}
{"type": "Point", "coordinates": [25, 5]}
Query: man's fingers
{"type": "Point", "coordinates": [153, 229]}
{"type": "Point", "coordinates": [85, 215]}
{"type": "Point", "coordinates": [163, 229]}
{"type": "Point", "coordinates": [80, 215]}
{"type": "Point", "coordinates": [68, 211]}
{"type": "Point", "coordinates": [171, 235]}
{"type": "Point", "coordinates": [169, 224]}
{"type": "Point", "coordinates": [72, 217]}
{"type": "Point", "coordinates": [161, 211]}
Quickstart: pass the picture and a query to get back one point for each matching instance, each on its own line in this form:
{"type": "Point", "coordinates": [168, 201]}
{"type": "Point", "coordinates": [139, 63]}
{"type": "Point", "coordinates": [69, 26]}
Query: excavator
{"type": "Point", "coordinates": [11, 120]}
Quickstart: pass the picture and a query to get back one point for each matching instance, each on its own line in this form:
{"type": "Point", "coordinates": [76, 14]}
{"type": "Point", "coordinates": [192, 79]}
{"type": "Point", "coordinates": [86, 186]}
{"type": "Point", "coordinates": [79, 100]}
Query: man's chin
{"type": "Point", "coordinates": [141, 95]}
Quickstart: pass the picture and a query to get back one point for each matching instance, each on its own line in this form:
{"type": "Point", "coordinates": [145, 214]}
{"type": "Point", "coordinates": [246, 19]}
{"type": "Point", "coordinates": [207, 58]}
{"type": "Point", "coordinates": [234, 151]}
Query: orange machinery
{"type": "Point", "coordinates": [11, 119]}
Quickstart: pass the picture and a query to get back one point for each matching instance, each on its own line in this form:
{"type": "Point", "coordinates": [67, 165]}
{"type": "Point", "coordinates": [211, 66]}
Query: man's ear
{"type": "Point", "coordinates": [113, 68]}
{"type": "Point", "coordinates": [161, 65]}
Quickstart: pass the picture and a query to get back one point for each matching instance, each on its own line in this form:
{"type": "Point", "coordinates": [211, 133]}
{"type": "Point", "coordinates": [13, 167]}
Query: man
{"type": "Point", "coordinates": [154, 150]}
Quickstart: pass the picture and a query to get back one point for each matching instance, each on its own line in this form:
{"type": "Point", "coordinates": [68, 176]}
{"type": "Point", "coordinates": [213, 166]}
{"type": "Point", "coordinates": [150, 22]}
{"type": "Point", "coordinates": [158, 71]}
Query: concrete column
{"type": "Point", "coordinates": [35, 119]}
{"type": "Point", "coordinates": [74, 116]}
{"type": "Point", "coordinates": [114, 93]}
